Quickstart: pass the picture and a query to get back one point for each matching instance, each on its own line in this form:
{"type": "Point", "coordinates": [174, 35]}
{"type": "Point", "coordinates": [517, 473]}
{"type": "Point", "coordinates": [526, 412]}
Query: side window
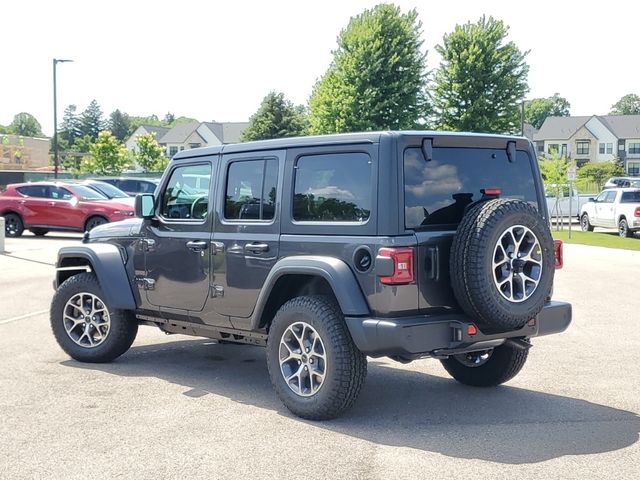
{"type": "Point", "coordinates": [35, 191]}
{"type": "Point", "coordinates": [146, 187]}
{"type": "Point", "coordinates": [59, 193]}
{"type": "Point", "coordinates": [332, 188]}
{"type": "Point", "coordinates": [128, 185]}
{"type": "Point", "coordinates": [181, 202]}
{"type": "Point", "coordinates": [601, 197]}
{"type": "Point", "coordinates": [611, 197]}
{"type": "Point", "coordinates": [251, 190]}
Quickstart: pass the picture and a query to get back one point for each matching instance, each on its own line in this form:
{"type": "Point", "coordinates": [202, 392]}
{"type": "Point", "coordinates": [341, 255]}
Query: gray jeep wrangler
{"type": "Point", "coordinates": [327, 250]}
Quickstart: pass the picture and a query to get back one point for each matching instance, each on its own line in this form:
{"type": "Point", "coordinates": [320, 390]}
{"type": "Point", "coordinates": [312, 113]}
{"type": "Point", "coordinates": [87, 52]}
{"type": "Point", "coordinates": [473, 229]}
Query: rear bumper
{"type": "Point", "coordinates": [444, 335]}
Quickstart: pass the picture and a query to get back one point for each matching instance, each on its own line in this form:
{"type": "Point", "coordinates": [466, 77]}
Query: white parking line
{"type": "Point", "coordinates": [27, 315]}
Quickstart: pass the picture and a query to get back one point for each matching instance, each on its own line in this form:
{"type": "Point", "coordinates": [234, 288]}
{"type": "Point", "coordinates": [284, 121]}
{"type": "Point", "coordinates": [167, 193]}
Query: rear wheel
{"type": "Point", "coordinates": [13, 226]}
{"type": "Point", "coordinates": [93, 222]}
{"type": "Point", "coordinates": [623, 228]}
{"type": "Point", "coordinates": [39, 232]}
{"type": "Point", "coordinates": [315, 368]}
{"type": "Point", "coordinates": [585, 225]}
{"type": "Point", "coordinates": [487, 368]}
{"type": "Point", "coordinates": [84, 325]}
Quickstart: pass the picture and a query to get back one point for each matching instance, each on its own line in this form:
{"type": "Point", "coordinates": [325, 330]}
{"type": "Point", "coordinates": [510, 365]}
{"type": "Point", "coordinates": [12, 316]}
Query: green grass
{"type": "Point", "coordinates": [596, 239]}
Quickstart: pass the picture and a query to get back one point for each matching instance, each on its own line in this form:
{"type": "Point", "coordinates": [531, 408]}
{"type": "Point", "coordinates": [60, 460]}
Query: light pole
{"type": "Point", "coordinates": [55, 118]}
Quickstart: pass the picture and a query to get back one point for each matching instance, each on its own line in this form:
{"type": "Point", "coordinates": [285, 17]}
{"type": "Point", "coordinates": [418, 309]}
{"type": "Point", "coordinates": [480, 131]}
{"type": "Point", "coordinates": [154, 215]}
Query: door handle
{"type": "Point", "coordinates": [256, 247]}
{"type": "Point", "coordinates": [52, 203]}
{"type": "Point", "coordinates": [196, 245]}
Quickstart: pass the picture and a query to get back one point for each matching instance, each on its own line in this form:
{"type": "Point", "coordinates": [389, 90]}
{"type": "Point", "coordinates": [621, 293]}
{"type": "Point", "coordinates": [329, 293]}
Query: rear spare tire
{"type": "Point", "coordinates": [502, 263]}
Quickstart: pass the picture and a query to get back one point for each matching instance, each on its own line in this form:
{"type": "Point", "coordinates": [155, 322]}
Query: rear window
{"type": "Point", "coordinates": [437, 192]}
{"type": "Point", "coordinates": [630, 197]}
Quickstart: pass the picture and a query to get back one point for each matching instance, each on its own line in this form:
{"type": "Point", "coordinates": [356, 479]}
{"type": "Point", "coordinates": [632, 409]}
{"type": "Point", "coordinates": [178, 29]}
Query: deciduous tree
{"type": "Point", "coordinates": [377, 79]}
{"type": "Point", "coordinates": [627, 105]}
{"type": "Point", "coordinates": [481, 80]}
{"type": "Point", "coordinates": [277, 117]}
{"type": "Point", "coordinates": [107, 156]}
{"type": "Point", "coordinates": [149, 154]}
{"type": "Point", "coordinates": [538, 109]}
{"type": "Point", "coordinates": [26, 125]}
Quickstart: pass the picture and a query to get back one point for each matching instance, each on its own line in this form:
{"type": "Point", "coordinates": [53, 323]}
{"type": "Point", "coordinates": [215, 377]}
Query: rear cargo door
{"type": "Point", "coordinates": [438, 192]}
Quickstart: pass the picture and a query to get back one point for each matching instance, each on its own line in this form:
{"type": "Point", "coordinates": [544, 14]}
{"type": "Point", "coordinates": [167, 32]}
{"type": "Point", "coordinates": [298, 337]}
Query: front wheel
{"type": "Point", "coordinates": [487, 368]}
{"type": "Point", "coordinates": [84, 325]}
{"type": "Point", "coordinates": [585, 225]}
{"type": "Point", "coordinates": [315, 368]}
{"type": "Point", "coordinates": [623, 228]}
{"type": "Point", "coordinates": [93, 222]}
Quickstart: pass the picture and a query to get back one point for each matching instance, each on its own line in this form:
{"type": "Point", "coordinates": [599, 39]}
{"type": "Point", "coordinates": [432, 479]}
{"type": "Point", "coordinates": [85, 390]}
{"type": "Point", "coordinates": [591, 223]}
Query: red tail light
{"type": "Point", "coordinates": [402, 265]}
{"type": "Point", "coordinates": [637, 212]}
{"type": "Point", "coordinates": [557, 251]}
{"type": "Point", "coordinates": [491, 192]}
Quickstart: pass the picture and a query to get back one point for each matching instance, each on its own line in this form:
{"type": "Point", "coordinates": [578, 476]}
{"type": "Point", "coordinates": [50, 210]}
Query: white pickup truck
{"type": "Point", "coordinates": [563, 202]}
{"type": "Point", "coordinates": [614, 207]}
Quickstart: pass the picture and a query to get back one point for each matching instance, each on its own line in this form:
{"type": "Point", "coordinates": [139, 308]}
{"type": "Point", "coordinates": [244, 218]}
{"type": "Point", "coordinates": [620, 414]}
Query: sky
{"type": "Point", "coordinates": [215, 60]}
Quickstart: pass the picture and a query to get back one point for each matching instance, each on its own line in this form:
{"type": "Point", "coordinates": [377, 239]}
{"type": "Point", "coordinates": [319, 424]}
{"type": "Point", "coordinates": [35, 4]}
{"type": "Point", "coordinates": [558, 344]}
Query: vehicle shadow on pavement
{"type": "Point", "coordinates": [400, 407]}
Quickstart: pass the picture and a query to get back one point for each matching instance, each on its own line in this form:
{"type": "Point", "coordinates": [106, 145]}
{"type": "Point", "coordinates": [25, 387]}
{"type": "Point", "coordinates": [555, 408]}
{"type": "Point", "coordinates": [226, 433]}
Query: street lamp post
{"type": "Point", "coordinates": [55, 118]}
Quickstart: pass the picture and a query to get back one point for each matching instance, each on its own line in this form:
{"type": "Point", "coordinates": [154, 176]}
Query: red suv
{"type": "Point", "coordinates": [44, 206]}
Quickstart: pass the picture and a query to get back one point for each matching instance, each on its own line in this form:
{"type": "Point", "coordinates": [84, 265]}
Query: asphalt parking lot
{"type": "Point", "coordinates": [179, 407]}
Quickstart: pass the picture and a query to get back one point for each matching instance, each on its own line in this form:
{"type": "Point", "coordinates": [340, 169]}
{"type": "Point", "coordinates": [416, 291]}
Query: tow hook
{"type": "Point", "coordinates": [519, 343]}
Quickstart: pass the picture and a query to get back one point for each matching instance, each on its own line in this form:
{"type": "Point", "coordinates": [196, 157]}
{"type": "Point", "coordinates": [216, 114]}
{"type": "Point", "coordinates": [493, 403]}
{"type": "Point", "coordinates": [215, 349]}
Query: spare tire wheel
{"type": "Point", "coordinates": [502, 263]}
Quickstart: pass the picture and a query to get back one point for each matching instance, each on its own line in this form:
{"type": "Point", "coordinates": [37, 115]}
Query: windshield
{"type": "Point", "coordinates": [108, 190]}
{"type": "Point", "coordinates": [86, 193]}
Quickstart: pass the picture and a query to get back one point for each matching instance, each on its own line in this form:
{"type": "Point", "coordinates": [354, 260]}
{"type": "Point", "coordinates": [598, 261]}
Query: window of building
{"type": "Point", "coordinates": [634, 148]}
{"type": "Point", "coordinates": [540, 147]}
{"type": "Point", "coordinates": [601, 148]}
{"type": "Point", "coordinates": [582, 148]}
{"type": "Point", "coordinates": [563, 150]}
{"type": "Point", "coordinates": [333, 188]}
{"type": "Point", "coordinates": [195, 145]}
{"type": "Point", "coordinates": [609, 148]}
{"type": "Point", "coordinates": [173, 151]}
{"type": "Point", "coordinates": [552, 148]}
{"type": "Point", "coordinates": [251, 190]}
{"type": "Point", "coordinates": [633, 168]}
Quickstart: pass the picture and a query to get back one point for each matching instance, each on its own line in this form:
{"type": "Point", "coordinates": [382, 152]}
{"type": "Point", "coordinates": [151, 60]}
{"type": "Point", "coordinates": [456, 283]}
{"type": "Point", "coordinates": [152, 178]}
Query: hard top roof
{"type": "Point", "coordinates": [333, 139]}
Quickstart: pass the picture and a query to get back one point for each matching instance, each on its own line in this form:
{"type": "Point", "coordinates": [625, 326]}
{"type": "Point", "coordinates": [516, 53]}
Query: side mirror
{"type": "Point", "coordinates": [591, 199]}
{"type": "Point", "coordinates": [145, 205]}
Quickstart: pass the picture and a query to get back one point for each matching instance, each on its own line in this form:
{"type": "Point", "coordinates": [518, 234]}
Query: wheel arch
{"type": "Point", "coordinates": [106, 261]}
{"type": "Point", "coordinates": [308, 275]}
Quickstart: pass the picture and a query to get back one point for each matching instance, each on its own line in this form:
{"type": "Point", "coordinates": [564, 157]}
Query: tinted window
{"type": "Point", "coordinates": [437, 192]}
{"type": "Point", "coordinates": [333, 188]}
{"type": "Point", "coordinates": [251, 190]}
{"type": "Point", "coordinates": [59, 193]}
{"type": "Point", "coordinates": [144, 186]}
{"type": "Point", "coordinates": [180, 201]}
{"type": "Point", "coordinates": [108, 190]}
{"type": "Point", "coordinates": [87, 193]}
{"type": "Point", "coordinates": [36, 191]}
{"type": "Point", "coordinates": [630, 197]}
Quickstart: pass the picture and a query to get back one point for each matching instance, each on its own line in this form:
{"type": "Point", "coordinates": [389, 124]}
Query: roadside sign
{"type": "Point", "coordinates": [571, 173]}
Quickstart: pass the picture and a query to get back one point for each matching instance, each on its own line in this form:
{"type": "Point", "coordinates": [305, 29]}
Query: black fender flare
{"type": "Point", "coordinates": [336, 272]}
{"type": "Point", "coordinates": [107, 263]}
